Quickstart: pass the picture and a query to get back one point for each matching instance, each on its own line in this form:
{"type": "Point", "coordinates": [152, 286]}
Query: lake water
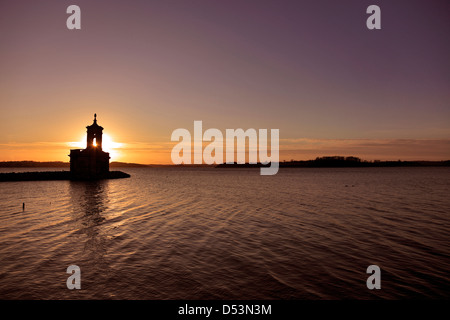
{"type": "Point", "coordinates": [205, 233]}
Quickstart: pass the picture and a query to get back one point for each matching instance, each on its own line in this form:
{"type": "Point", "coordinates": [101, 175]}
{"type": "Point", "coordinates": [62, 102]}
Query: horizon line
{"type": "Point", "coordinates": [204, 164]}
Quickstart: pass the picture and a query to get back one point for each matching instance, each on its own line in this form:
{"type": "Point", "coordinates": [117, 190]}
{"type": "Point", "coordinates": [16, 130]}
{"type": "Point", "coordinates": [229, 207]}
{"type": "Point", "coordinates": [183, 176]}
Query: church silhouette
{"type": "Point", "coordinates": [92, 162]}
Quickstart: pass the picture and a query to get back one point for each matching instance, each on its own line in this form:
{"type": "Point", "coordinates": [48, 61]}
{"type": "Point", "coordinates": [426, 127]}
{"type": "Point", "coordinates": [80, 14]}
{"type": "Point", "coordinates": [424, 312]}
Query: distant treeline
{"type": "Point", "coordinates": [33, 164]}
{"type": "Point", "coordinates": [342, 162]}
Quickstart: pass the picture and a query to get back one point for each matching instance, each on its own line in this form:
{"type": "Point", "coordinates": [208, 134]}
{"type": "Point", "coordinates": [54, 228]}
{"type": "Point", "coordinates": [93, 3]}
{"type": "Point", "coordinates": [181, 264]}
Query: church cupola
{"type": "Point", "coordinates": [94, 135]}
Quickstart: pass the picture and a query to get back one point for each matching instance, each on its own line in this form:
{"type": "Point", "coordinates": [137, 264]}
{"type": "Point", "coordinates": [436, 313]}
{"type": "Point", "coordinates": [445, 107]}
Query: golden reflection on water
{"type": "Point", "coordinates": [89, 203]}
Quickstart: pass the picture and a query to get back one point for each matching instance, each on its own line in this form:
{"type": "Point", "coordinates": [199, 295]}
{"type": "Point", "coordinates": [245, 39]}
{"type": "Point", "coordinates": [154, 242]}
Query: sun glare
{"type": "Point", "coordinates": [108, 145]}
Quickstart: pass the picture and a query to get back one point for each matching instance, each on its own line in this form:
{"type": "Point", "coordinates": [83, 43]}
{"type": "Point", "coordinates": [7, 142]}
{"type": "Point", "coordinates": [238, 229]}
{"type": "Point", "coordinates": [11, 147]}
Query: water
{"type": "Point", "coordinates": [229, 234]}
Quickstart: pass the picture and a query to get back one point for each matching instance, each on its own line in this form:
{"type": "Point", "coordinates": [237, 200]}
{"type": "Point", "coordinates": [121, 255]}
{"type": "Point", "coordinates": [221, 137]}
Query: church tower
{"type": "Point", "coordinates": [92, 162]}
{"type": "Point", "coordinates": [94, 135]}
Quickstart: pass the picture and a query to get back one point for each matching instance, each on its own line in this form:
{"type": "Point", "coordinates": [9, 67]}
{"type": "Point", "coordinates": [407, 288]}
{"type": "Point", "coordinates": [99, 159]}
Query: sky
{"type": "Point", "coordinates": [311, 69]}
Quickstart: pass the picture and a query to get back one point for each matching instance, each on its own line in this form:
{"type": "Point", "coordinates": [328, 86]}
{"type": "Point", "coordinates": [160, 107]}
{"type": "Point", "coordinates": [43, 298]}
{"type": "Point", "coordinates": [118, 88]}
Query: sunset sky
{"type": "Point", "coordinates": [311, 69]}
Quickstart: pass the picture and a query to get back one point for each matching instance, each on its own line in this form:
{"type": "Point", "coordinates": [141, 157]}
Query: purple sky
{"type": "Point", "coordinates": [309, 68]}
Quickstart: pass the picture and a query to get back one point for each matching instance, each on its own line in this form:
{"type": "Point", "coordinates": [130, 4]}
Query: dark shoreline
{"type": "Point", "coordinates": [341, 164]}
{"type": "Point", "coordinates": [57, 164]}
{"type": "Point", "coordinates": [324, 162]}
{"type": "Point", "coordinates": [54, 175]}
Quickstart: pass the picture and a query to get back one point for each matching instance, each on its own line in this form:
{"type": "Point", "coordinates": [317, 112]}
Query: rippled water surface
{"type": "Point", "coordinates": [229, 234]}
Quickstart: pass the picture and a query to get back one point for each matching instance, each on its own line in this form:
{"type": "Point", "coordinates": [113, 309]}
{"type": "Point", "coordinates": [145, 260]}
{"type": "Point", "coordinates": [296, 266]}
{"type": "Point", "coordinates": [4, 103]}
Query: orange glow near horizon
{"type": "Point", "coordinates": [158, 152]}
{"type": "Point", "coordinates": [155, 147]}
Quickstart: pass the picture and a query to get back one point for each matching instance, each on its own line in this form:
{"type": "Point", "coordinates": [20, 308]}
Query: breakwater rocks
{"type": "Point", "coordinates": [56, 175]}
